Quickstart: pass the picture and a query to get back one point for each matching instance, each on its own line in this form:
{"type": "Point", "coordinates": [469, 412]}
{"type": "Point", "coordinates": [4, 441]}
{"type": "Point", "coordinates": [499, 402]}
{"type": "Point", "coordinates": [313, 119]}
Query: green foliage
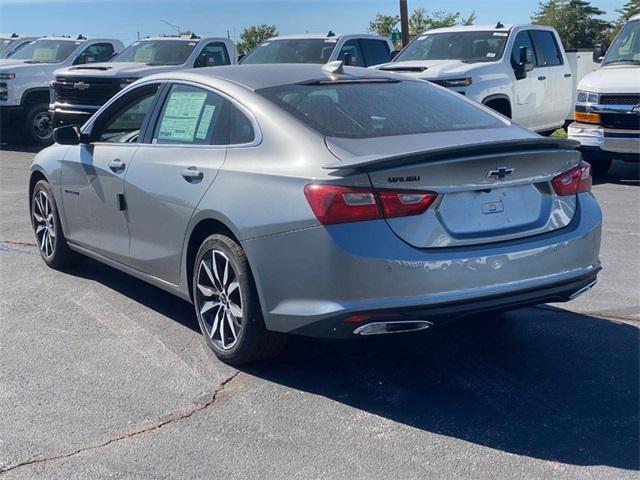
{"type": "Point", "coordinates": [384, 24]}
{"type": "Point", "coordinates": [575, 21]}
{"type": "Point", "coordinates": [629, 9]}
{"type": "Point", "coordinates": [253, 36]}
{"type": "Point", "coordinates": [419, 21]}
{"type": "Point", "coordinates": [470, 20]}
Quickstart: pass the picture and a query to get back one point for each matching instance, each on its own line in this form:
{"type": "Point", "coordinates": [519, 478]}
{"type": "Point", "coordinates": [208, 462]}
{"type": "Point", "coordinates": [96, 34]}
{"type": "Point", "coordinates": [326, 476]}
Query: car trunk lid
{"type": "Point", "coordinates": [487, 191]}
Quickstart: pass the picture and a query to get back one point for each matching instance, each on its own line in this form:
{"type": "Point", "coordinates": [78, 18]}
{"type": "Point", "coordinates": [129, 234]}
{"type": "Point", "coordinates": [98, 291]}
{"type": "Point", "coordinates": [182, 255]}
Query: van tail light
{"type": "Point", "coordinates": [339, 204]}
{"type": "Point", "coordinates": [576, 180]}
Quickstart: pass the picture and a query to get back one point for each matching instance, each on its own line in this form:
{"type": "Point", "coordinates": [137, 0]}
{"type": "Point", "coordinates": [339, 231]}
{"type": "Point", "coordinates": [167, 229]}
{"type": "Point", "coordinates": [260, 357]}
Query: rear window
{"type": "Point", "coordinates": [378, 108]}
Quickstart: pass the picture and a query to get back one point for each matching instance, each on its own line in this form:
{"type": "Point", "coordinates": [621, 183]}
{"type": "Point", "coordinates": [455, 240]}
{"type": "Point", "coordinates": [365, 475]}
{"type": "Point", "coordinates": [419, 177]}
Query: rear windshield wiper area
{"type": "Point", "coordinates": [331, 81]}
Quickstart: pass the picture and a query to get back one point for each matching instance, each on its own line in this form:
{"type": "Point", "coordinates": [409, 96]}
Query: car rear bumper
{"type": "Point", "coordinates": [616, 143]}
{"type": "Point", "coordinates": [312, 279]}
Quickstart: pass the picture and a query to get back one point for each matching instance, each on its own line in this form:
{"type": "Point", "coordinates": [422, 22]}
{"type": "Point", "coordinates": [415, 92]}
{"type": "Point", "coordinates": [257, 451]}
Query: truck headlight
{"type": "Point", "coordinates": [7, 76]}
{"type": "Point", "coordinates": [455, 82]}
{"type": "Point", "coordinates": [126, 81]}
{"type": "Point", "coordinates": [588, 97]}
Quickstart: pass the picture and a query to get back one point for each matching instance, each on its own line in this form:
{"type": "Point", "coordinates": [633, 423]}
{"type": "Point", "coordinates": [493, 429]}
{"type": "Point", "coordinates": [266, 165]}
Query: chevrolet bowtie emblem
{"type": "Point", "coordinates": [80, 86]}
{"type": "Point", "coordinates": [500, 172]}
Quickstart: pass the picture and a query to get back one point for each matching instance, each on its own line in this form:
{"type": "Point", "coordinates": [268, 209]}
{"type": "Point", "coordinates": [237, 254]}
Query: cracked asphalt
{"type": "Point", "coordinates": [103, 376]}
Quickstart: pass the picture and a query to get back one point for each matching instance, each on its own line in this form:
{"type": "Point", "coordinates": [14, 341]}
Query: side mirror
{"type": "Point", "coordinates": [393, 54]}
{"type": "Point", "coordinates": [67, 135]}
{"type": "Point", "coordinates": [241, 56]}
{"type": "Point", "coordinates": [347, 59]}
{"type": "Point", "coordinates": [114, 54]}
{"type": "Point", "coordinates": [525, 63]}
{"type": "Point", "coordinates": [599, 52]}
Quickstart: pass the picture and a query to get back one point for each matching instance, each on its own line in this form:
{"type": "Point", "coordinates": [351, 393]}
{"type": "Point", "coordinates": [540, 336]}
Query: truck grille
{"type": "Point", "coordinates": [85, 90]}
{"type": "Point", "coordinates": [620, 120]}
{"type": "Point", "coordinates": [620, 99]}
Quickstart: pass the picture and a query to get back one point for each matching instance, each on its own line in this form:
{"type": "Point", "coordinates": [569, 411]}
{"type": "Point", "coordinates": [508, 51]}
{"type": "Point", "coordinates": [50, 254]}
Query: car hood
{"type": "Point", "coordinates": [613, 79]}
{"type": "Point", "coordinates": [117, 69]}
{"type": "Point", "coordinates": [431, 69]}
{"type": "Point", "coordinates": [15, 66]}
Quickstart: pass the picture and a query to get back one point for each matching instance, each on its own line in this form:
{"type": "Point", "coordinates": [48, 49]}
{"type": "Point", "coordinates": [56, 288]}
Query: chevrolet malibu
{"type": "Point", "coordinates": [317, 200]}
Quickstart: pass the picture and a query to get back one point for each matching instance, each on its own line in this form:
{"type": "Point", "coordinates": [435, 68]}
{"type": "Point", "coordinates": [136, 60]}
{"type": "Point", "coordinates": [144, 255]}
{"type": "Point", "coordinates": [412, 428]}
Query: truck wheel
{"type": "Point", "coordinates": [37, 127]}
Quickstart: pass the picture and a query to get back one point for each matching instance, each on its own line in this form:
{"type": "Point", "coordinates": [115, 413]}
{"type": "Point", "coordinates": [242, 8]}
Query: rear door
{"type": "Point", "coordinates": [93, 180]}
{"type": "Point", "coordinates": [170, 174]}
{"type": "Point", "coordinates": [555, 75]}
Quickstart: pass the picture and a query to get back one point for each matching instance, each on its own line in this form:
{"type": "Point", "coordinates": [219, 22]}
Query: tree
{"type": "Point", "coordinates": [253, 36]}
{"type": "Point", "coordinates": [469, 20]}
{"type": "Point", "coordinates": [629, 9]}
{"type": "Point", "coordinates": [575, 21]}
{"type": "Point", "coordinates": [384, 25]}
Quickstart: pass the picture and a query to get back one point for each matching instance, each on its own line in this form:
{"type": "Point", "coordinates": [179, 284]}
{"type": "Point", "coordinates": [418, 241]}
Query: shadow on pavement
{"type": "Point", "coordinates": [540, 382]}
{"type": "Point", "coordinates": [621, 173]}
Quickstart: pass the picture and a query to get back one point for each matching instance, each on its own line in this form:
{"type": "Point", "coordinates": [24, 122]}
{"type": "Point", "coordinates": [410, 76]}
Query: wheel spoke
{"type": "Point", "coordinates": [208, 306]}
{"type": "Point", "coordinates": [42, 240]}
{"type": "Point", "coordinates": [231, 326]}
{"type": "Point", "coordinates": [215, 271]}
{"type": "Point", "coordinates": [52, 233]}
{"type": "Point", "coordinates": [225, 276]}
{"type": "Point", "coordinates": [209, 274]}
{"type": "Point", "coordinates": [39, 206]}
{"type": "Point", "coordinates": [233, 286]}
{"type": "Point", "coordinates": [206, 291]}
{"type": "Point", "coordinates": [222, 332]}
{"type": "Point", "coordinates": [40, 228]}
{"type": "Point", "coordinates": [49, 243]}
{"type": "Point", "coordinates": [236, 310]}
{"type": "Point", "coordinates": [39, 218]}
{"type": "Point", "coordinates": [216, 321]}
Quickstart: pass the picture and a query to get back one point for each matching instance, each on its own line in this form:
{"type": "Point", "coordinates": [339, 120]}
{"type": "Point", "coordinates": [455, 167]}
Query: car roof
{"type": "Point", "coordinates": [183, 39]}
{"type": "Point", "coordinates": [323, 36]}
{"type": "Point", "coordinates": [257, 76]}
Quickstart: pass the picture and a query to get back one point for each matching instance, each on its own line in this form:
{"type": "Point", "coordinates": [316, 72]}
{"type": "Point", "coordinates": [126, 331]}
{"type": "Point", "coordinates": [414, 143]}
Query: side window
{"type": "Point", "coordinates": [240, 128]}
{"type": "Point", "coordinates": [522, 40]}
{"type": "Point", "coordinates": [375, 51]}
{"type": "Point", "coordinates": [191, 115]}
{"type": "Point", "coordinates": [122, 121]}
{"type": "Point", "coordinates": [352, 47]}
{"type": "Point", "coordinates": [547, 49]}
{"type": "Point", "coordinates": [213, 54]}
{"type": "Point", "coordinates": [98, 52]}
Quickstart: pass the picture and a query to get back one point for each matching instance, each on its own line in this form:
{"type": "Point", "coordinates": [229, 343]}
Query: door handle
{"type": "Point", "coordinates": [567, 75]}
{"type": "Point", "coordinates": [192, 173]}
{"type": "Point", "coordinates": [116, 165]}
{"type": "Point", "coordinates": [542, 77]}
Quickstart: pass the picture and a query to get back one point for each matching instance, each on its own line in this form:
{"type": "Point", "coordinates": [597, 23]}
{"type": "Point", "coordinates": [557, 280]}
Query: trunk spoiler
{"type": "Point", "coordinates": [366, 162]}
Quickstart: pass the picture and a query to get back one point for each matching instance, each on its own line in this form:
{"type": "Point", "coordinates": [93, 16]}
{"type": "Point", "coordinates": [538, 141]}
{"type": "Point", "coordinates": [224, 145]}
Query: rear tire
{"type": "Point", "coordinates": [37, 125]}
{"type": "Point", "coordinates": [227, 305]}
{"type": "Point", "coordinates": [45, 220]}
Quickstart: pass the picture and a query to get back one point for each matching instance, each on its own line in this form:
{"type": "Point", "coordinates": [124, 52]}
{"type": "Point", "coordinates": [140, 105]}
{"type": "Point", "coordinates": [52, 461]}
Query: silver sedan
{"type": "Point", "coordinates": [317, 200]}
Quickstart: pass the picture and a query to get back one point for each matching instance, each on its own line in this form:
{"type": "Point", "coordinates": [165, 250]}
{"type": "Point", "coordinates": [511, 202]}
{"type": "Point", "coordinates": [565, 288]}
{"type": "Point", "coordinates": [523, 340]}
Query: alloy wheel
{"type": "Point", "coordinates": [219, 299]}
{"type": "Point", "coordinates": [44, 223]}
{"type": "Point", "coordinates": [42, 125]}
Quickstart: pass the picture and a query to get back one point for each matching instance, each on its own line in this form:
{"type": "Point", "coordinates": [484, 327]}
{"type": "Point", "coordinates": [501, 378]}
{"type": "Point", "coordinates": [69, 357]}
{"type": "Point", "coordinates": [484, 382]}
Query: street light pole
{"type": "Point", "coordinates": [177, 27]}
{"type": "Point", "coordinates": [404, 22]}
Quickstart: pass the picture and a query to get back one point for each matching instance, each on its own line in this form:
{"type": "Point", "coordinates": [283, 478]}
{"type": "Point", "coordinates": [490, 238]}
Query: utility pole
{"type": "Point", "coordinates": [177, 27]}
{"type": "Point", "coordinates": [404, 22]}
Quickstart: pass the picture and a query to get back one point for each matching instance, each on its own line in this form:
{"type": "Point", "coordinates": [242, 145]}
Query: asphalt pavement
{"type": "Point", "coordinates": [104, 376]}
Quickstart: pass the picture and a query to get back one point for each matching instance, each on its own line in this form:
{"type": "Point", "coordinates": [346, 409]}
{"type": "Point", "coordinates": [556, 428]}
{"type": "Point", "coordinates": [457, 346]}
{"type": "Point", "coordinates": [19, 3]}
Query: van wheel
{"type": "Point", "coordinates": [37, 126]}
{"type": "Point", "coordinates": [227, 306]}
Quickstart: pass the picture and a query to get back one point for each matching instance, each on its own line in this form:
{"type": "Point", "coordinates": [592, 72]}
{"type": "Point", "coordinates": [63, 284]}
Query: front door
{"type": "Point", "coordinates": [93, 177]}
{"type": "Point", "coordinates": [171, 173]}
{"type": "Point", "coordinates": [528, 92]}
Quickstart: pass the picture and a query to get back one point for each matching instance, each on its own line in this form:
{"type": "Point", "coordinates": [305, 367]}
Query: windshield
{"type": "Point", "coordinates": [313, 50]}
{"type": "Point", "coordinates": [369, 109]}
{"type": "Point", "coordinates": [157, 52]}
{"type": "Point", "coordinates": [469, 47]}
{"type": "Point", "coordinates": [47, 51]}
{"type": "Point", "coordinates": [626, 46]}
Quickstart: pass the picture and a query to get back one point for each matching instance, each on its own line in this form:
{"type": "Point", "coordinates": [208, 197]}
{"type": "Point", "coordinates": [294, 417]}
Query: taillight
{"type": "Point", "coordinates": [339, 204]}
{"type": "Point", "coordinates": [576, 180]}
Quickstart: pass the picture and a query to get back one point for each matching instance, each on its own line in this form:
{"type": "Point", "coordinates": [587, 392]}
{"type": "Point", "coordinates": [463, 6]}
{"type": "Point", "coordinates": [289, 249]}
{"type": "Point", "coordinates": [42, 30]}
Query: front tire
{"type": "Point", "coordinates": [37, 126]}
{"type": "Point", "coordinates": [47, 228]}
{"type": "Point", "coordinates": [227, 305]}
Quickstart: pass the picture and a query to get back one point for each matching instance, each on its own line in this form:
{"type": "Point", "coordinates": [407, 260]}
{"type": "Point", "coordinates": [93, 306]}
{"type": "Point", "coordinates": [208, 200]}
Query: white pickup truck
{"type": "Point", "coordinates": [11, 43]}
{"type": "Point", "coordinates": [608, 105]}
{"type": "Point", "coordinates": [79, 91]}
{"type": "Point", "coordinates": [521, 71]}
{"type": "Point", "coordinates": [25, 78]}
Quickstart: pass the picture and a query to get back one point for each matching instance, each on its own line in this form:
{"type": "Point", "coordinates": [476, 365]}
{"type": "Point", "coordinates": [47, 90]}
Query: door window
{"type": "Point", "coordinates": [191, 115]}
{"type": "Point", "coordinates": [352, 47]}
{"type": "Point", "coordinates": [547, 49]}
{"type": "Point", "coordinates": [522, 40]}
{"type": "Point", "coordinates": [213, 54]}
{"type": "Point", "coordinates": [122, 121]}
{"type": "Point", "coordinates": [98, 52]}
{"type": "Point", "coordinates": [240, 128]}
{"type": "Point", "coordinates": [375, 51]}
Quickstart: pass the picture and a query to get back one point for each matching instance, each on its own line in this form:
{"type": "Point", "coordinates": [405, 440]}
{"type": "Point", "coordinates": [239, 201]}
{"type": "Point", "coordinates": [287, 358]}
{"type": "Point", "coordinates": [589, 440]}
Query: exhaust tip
{"type": "Point", "coordinates": [382, 328]}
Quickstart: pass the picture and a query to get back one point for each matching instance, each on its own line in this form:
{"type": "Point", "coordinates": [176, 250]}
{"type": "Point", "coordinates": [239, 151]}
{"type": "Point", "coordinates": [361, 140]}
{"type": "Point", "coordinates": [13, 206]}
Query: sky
{"type": "Point", "coordinates": [125, 19]}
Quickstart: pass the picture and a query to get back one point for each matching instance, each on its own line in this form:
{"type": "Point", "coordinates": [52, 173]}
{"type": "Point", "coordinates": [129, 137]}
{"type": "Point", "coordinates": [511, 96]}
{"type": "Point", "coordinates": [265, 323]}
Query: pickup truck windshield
{"type": "Point", "coordinates": [313, 50]}
{"type": "Point", "coordinates": [468, 47]}
{"type": "Point", "coordinates": [157, 52]}
{"type": "Point", "coordinates": [377, 108]}
{"type": "Point", "coordinates": [626, 46]}
{"type": "Point", "coordinates": [47, 51]}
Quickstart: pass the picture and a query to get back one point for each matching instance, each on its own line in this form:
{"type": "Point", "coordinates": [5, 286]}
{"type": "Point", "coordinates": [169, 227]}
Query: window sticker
{"type": "Point", "coordinates": [264, 44]}
{"type": "Point", "coordinates": [331, 40]}
{"type": "Point", "coordinates": [500, 34]}
{"type": "Point", "coordinates": [491, 54]}
{"type": "Point", "coordinates": [144, 54]}
{"type": "Point", "coordinates": [45, 54]}
{"type": "Point", "coordinates": [205, 122]}
{"type": "Point", "coordinates": [422, 37]}
{"type": "Point", "coordinates": [192, 44]}
{"type": "Point", "coordinates": [181, 116]}
{"type": "Point", "coordinates": [77, 43]}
